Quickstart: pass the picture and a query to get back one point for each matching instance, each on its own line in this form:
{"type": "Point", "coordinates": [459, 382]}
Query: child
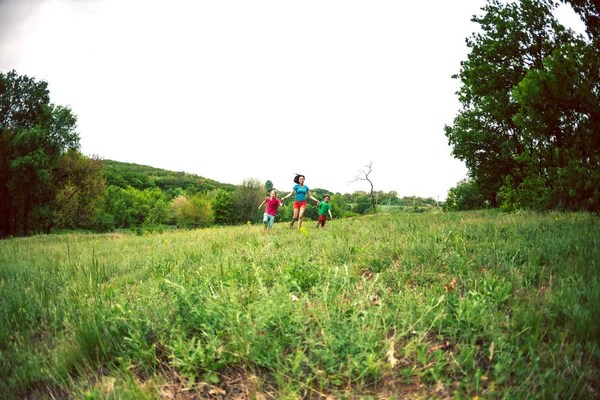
{"type": "Point", "coordinates": [273, 204]}
{"type": "Point", "coordinates": [324, 208]}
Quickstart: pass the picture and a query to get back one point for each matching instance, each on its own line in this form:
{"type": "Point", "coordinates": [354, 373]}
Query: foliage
{"type": "Point", "coordinates": [268, 187]}
{"type": "Point", "coordinates": [363, 205]}
{"type": "Point", "coordinates": [245, 201]}
{"type": "Point", "coordinates": [449, 305]}
{"type": "Point", "coordinates": [530, 100]}
{"type": "Point", "coordinates": [222, 207]}
{"type": "Point", "coordinates": [145, 177]}
{"type": "Point", "coordinates": [133, 207]}
{"type": "Point", "coordinates": [339, 207]}
{"type": "Point", "coordinates": [34, 136]}
{"type": "Point", "coordinates": [465, 196]}
{"type": "Point", "coordinates": [193, 212]}
{"type": "Point", "coordinates": [560, 109]}
{"type": "Point", "coordinates": [80, 191]}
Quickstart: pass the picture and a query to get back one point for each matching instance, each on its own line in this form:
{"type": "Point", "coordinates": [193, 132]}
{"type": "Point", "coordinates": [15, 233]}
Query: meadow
{"type": "Point", "coordinates": [433, 305]}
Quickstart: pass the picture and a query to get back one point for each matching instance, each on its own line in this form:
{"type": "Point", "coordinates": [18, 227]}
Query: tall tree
{"type": "Point", "coordinates": [80, 190]}
{"type": "Point", "coordinates": [514, 38]}
{"type": "Point", "coordinates": [221, 205]}
{"type": "Point", "coordinates": [34, 135]}
{"type": "Point", "coordinates": [560, 115]}
{"type": "Point", "coordinates": [246, 199]}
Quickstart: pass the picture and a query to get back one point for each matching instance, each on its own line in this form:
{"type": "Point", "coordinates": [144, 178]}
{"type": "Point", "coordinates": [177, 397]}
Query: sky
{"type": "Point", "coordinates": [232, 90]}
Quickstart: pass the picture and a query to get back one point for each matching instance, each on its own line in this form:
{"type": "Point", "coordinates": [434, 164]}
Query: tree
{"type": "Point", "coordinates": [245, 201]}
{"type": "Point", "coordinates": [268, 186]}
{"type": "Point", "coordinates": [34, 136]}
{"type": "Point", "coordinates": [80, 190]}
{"type": "Point", "coordinates": [221, 205]}
{"type": "Point", "coordinates": [560, 115]}
{"type": "Point", "coordinates": [514, 38]}
{"type": "Point", "coordinates": [119, 203]}
{"type": "Point", "coordinates": [363, 175]}
{"type": "Point", "coordinates": [465, 196]}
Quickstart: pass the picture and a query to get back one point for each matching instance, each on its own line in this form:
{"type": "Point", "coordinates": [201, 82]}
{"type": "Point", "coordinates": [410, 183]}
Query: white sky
{"type": "Point", "coordinates": [231, 90]}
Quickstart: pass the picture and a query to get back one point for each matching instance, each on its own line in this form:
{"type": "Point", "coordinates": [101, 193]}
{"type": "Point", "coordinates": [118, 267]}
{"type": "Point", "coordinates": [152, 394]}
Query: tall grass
{"type": "Point", "coordinates": [471, 304]}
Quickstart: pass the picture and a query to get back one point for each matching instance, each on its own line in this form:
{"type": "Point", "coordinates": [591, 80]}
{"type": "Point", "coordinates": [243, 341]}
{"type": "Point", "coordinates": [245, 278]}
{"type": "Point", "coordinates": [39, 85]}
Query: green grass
{"type": "Point", "coordinates": [430, 305]}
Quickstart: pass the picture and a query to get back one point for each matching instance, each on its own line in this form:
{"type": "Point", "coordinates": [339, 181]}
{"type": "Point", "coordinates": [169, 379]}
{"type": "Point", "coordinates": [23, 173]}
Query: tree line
{"type": "Point", "coordinates": [529, 124]}
{"type": "Point", "coordinates": [47, 184]}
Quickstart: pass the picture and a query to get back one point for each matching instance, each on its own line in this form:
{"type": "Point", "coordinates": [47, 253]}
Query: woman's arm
{"type": "Point", "coordinates": [310, 196]}
{"type": "Point", "coordinates": [261, 204]}
{"type": "Point", "coordinates": [289, 194]}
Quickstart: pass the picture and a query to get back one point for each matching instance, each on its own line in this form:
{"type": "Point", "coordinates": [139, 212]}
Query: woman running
{"type": "Point", "coordinates": [302, 192]}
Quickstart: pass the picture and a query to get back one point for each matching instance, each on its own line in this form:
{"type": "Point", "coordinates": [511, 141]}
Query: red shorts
{"type": "Point", "coordinates": [299, 204]}
{"type": "Point", "coordinates": [322, 219]}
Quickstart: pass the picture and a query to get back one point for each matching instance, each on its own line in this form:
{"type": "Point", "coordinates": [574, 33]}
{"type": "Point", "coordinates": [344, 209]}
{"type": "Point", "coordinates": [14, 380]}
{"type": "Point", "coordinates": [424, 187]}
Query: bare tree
{"type": "Point", "coordinates": [363, 175]}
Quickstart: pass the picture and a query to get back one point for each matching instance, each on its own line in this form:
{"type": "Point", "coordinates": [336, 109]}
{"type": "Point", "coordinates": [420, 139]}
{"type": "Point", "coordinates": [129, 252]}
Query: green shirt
{"type": "Point", "coordinates": [323, 207]}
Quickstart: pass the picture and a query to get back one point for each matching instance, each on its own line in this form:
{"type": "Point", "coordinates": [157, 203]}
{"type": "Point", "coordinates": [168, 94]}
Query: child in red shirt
{"type": "Point", "coordinates": [273, 204]}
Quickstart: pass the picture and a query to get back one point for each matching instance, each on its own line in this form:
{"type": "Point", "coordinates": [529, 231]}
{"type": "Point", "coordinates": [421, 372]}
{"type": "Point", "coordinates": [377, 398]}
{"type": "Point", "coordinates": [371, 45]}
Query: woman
{"type": "Point", "coordinates": [302, 192]}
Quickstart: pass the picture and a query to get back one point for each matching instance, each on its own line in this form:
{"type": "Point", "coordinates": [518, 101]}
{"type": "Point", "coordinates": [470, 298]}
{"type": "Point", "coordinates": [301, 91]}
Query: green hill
{"type": "Point", "coordinates": [142, 177]}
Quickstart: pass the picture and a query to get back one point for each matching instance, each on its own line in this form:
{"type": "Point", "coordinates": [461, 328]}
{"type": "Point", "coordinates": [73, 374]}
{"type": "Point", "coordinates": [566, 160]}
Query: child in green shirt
{"type": "Point", "coordinates": [324, 208]}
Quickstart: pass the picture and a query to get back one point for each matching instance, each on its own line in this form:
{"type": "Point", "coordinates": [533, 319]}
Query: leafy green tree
{"type": "Point", "coordinates": [465, 196]}
{"type": "Point", "coordinates": [245, 201]}
{"type": "Point", "coordinates": [222, 206]}
{"type": "Point", "coordinates": [159, 213]}
{"type": "Point", "coordinates": [80, 190]}
{"type": "Point", "coordinates": [132, 207]}
{"type": "Point", "coordinates": [560, 116]}
{"type": "Point", "coordinates": [34, 136]}
{"type": "Point", "coordinates": [268, 186]}
{"type": "Point", "coordinates": [119, 204]}
{"type": "Point", "coordinates": [513, 38]}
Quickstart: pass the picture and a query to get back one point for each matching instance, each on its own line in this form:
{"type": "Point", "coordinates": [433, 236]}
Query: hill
{"type": "Point", "coordinates": [142, 177]}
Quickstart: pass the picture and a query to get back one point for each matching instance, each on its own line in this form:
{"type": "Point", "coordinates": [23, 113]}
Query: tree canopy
{"type": "Point", "coordinates": [35, 134]}
{"type": "Point", "coordinates": [528, 129]}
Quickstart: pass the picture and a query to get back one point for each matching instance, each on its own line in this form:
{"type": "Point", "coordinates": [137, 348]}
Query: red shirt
{"type": "Point", "coordinates": [272, 206]}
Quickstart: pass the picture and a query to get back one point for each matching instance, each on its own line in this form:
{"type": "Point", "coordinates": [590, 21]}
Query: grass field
{"type": "Point", "coordinates": [432, 305]}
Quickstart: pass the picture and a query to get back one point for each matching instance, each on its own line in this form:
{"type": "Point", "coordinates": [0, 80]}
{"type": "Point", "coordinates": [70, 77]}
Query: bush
{"type": "Point", "coordinates": [104, 223]}
{"type": "Point", "coordinates": [194, 212]}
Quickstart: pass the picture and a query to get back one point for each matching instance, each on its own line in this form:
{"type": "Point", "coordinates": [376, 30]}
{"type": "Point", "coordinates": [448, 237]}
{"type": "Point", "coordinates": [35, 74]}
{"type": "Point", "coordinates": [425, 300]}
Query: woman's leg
{"type": "Point", "coordinates": [294, 218]}
{"type": "Point", "coordinates": [301, 214]}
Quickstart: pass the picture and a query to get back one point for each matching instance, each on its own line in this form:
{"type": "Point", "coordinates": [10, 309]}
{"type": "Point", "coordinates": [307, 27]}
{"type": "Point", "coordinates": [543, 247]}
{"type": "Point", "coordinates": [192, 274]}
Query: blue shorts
{"type": "Point", "coordinates": [268, 220]}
